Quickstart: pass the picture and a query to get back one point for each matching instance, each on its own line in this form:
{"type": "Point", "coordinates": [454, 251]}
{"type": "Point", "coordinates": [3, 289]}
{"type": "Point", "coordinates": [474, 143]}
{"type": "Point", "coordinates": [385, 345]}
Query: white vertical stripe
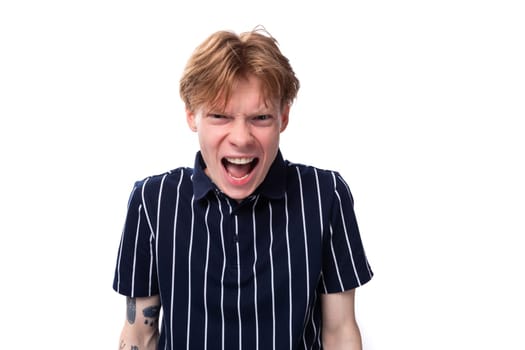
{"type": "Point", "coordinates": [135, 252]}
{"type": "Point", "coordinates": [334, 257]}
{"type": "Point", "coordinates": [238, 282]}
{"type": "Point", "coordinates": [132, 194]}
{"type": "Point", "coordinates": [118, 263]}
{"type": "Point", "coordinates": [368, 267]}
{"type": "Point", "coordinates": [122, 241]}
{"type": "Point", "coordinates": [158, 203]}
{"type": "Point", "coordinates": [145, 207]}
{"type": "Point", "coordinates": [305, 251]}
{"type": "Point", "coordinates": [346, 232]}
{"type": "Point", "coordinates": [175, 223]}
{"type": "Point", "coordinates": [319, 199]}
{"type": "Point", "coordinates": [307, 260]}
{"type": "Point", "coordinates": [312, 318]}
{"type": "Point", "coordinates": [148, 220]}
{"type": "Point", "coordinates": [151, 257]}
{"type": "Point", "coordinates": [350, 195]}
{"type": "Point", "coordinates": [189, 274]}
{"type": "Point", "coordinates": [316, 333]}
{"type": "Point", "coordinates": [223, 270]}
{"type": "Point", "coordinates": [238, 278]}
{"type": "Point", "coordinates": [289, 270]}
{"type": "Point", "coordinates": [272, 274]}
{"type": "Point", "coordinates": [323, 283]}
{"type": "Point", "coordinates": [206, 277]}
{"type": "Point", "coordinates": [255, 275]}
{"type": "Point", "coordinates": [156, 234]}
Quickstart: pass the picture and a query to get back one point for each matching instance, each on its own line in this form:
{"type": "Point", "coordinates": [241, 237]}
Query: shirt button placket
{"type": "Point", "coordinates": [233, 238]}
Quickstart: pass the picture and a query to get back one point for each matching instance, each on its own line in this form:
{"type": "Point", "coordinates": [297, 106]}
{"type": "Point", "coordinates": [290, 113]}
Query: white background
{"type": "Point", "coordinates": [418, 104]}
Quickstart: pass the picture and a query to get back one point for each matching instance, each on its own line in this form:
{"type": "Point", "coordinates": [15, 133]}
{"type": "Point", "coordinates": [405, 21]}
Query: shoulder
{"type": "Point", "coordinates": [168, 178]}
{"type": "Point", "coordinates": [323, 175]}
{"type": "Point", "coordinates": [327, 180]}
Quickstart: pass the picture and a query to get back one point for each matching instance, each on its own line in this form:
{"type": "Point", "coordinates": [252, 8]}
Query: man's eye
{"type": "Point", "coordinates": [262, 117]}
{"type": "Point", "coordinates": [217, 116]}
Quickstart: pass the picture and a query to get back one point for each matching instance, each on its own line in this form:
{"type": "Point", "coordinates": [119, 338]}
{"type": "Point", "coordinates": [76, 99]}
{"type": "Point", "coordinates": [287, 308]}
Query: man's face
{"type": "Point", "coordinates": [240, 141]}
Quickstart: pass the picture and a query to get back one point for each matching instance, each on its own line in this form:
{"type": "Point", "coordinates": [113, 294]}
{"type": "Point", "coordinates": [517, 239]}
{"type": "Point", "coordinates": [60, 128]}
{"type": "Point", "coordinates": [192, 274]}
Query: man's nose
{"type": "Point", "coordinates": [241, 134]}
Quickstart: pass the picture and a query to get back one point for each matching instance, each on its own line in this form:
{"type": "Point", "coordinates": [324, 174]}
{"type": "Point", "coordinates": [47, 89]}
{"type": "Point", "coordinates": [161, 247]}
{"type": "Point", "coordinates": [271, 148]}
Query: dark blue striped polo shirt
{"type": "Point", "coordinates": [241, 275]}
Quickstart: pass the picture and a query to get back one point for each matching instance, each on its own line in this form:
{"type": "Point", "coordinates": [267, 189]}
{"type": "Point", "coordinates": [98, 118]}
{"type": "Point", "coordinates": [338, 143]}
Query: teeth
{"type": "Point", "coordinates": [240, 161]}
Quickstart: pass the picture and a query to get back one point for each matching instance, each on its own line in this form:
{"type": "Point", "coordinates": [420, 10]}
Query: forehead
{"type": "Point", "coordinates": [245, 94]}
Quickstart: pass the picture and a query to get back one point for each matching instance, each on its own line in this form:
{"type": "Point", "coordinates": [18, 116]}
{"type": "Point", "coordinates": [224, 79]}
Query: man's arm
{"type": "Point", "coordinates": [340, 330]}
{"type": "Point", "coordinates": [141, 331]}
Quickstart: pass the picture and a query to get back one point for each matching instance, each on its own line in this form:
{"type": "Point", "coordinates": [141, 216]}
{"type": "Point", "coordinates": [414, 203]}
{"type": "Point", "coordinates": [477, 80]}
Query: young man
{"type": "Point", "coordinates": [245, 250]}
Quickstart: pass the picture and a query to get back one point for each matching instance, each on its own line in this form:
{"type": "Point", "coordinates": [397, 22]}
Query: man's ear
{"type": "Point", "coordinates": [191, 119]}
{"type": "Point", "coordinates": [284, 117]}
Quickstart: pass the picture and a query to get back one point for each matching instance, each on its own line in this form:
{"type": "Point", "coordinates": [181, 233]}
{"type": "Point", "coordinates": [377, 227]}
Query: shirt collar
{"type": "Point", "coordinates": [272, 187]}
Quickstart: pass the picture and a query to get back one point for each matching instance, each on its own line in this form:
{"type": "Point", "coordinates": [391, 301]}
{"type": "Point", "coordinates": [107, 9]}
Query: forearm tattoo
{"type": "Point", "coordinates": [131, 309]}
{"type": "Point", "coordinates": [151, 315]}
{"type": "Point", "coordinates": [123, 345]}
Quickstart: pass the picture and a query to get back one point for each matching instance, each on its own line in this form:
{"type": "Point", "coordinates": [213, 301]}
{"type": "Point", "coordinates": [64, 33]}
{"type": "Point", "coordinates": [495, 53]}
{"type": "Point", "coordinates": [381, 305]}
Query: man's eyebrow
{"type": "Point", "coordinates": [264, 111]}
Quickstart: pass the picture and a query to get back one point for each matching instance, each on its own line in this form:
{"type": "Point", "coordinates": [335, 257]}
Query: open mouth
{"type": "Point", "coordinates": [239, 168]}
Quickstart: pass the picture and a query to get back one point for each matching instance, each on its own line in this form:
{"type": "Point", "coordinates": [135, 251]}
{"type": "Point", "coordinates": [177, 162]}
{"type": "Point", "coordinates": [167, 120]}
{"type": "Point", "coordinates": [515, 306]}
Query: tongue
{"type": "Point", "coordinates": [237, 170]}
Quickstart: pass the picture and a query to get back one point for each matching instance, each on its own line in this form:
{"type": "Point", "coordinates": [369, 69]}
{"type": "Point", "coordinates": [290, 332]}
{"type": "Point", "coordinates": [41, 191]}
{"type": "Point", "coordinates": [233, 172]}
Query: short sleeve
{"type": "Point", "coordinates": [135, 272]}
{"type": "Point", "coordinates": [345, 265]}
